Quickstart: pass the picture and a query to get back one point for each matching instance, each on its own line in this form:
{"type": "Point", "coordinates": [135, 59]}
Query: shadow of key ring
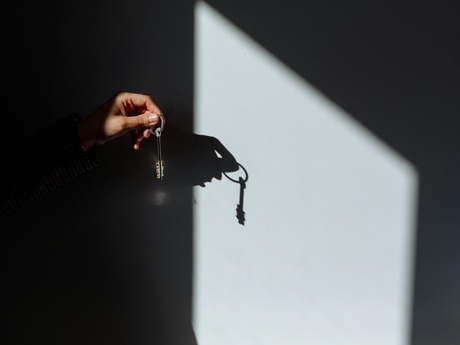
{"type": "Point", "coordinates": [245, 172]}
{"type": "Point", "coordinates": [157, 130]}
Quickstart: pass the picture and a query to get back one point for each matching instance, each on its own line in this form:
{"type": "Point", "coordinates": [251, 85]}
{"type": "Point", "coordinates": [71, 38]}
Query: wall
{"type": "Point", "coordinates": [110, 256]}
{"type": "Point", "coordinates": [105, 259]}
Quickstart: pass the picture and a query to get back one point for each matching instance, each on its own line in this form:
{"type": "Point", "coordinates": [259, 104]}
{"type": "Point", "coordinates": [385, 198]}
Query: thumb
{"type": "Point", "coordinates": [147, 119]}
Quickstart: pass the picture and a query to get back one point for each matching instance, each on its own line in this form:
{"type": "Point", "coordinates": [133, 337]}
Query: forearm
{"type": "Point", "coordinates": [52, 158]}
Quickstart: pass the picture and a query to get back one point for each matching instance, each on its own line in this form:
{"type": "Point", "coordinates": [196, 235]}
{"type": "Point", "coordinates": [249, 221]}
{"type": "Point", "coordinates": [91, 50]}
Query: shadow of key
{"type": "Point", "coordinates": [240, 214]}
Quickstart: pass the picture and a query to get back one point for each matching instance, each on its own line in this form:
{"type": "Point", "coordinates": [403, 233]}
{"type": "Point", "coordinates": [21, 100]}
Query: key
{"type": "Point", "coordinates": [159, 165]}
{"type": "Point", "coordinates": [240, 214]}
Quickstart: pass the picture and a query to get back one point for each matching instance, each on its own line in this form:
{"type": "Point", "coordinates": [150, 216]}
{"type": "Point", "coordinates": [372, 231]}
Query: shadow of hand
{"type": "Point", "coordinates": [192, 159]}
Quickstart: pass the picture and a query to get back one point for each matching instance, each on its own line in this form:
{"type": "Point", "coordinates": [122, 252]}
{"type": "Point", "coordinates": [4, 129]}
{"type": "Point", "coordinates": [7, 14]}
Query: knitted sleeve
{"type": "Point", "coordinates": [52, 158]}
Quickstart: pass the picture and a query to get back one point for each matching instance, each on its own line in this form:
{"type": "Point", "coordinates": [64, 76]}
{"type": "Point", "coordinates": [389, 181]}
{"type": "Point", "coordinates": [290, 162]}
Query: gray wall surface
{"type": "Point", "coordinates": [98, 261]}
{"type": "Point", "coordinates": [102, 260]}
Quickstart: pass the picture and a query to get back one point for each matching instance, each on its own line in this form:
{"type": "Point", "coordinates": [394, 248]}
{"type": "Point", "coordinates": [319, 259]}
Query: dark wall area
{"type": "Point", "coordinates": [108, 258]}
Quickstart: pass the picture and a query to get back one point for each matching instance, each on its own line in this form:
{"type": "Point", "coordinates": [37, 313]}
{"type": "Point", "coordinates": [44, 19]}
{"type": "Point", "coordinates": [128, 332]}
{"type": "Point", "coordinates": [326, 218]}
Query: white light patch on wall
{"type": "Point", "coordinates": [326, 253]}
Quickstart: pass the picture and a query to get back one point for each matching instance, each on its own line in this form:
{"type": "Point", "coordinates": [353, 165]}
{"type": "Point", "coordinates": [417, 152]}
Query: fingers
{"type": "Point", "coordinates": [228, 162]}
{"type": "Point", "coordinates": [140, 113]}
{"type": "Point", "coordinates": [138, 135]}
{"type": "Point", "coordinates": [146, 133]}
{"type": "Point", "coordinates": [135, 139]}
{"type": "Point", "coordinates": [139, 101]}
{"type": "Point", "coordinates": [148, 119]}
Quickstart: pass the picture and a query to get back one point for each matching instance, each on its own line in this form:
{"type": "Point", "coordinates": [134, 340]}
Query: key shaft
{"type": "Point", "coordinates": [159, 166]}
{"type": "Point", "coordinates": [240, 214]}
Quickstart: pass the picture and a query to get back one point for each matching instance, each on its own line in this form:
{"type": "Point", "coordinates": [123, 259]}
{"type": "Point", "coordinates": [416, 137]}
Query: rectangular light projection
{"type": "Point", "coordinates": [326, 254]}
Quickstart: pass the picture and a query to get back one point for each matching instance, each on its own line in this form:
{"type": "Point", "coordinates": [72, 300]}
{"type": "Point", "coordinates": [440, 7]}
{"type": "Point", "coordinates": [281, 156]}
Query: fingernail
{"type": "Point", "coordinates": [153, 118]}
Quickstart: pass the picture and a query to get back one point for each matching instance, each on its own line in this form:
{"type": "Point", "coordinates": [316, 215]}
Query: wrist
{"type": "Point", "coordinates": [84, 135]}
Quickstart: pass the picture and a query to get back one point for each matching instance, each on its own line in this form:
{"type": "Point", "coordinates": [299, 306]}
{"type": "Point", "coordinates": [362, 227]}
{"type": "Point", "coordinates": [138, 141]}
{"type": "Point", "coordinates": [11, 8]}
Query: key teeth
{"type": "Point", "coordinates": [240, 214]}
{"type": "Point", "coordinates": [159, 169]}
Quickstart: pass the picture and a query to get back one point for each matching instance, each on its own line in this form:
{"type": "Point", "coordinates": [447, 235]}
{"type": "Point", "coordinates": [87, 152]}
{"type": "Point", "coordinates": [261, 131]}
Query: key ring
{"type": "Point", "coordinates": [158, 130]}
{"type": "Point", "coordinates": [245, 172]}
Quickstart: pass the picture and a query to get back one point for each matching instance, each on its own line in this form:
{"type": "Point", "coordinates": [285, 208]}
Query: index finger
{"type": "Point", "coordinates": [141, 100]}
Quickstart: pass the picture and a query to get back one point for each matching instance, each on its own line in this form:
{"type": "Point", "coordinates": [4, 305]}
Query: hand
{"type": "Point", "coordinates": [123, 112]}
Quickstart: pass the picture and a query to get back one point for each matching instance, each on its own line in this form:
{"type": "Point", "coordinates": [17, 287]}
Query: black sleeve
{"type": "Point", "coordinates": [49, 160]}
